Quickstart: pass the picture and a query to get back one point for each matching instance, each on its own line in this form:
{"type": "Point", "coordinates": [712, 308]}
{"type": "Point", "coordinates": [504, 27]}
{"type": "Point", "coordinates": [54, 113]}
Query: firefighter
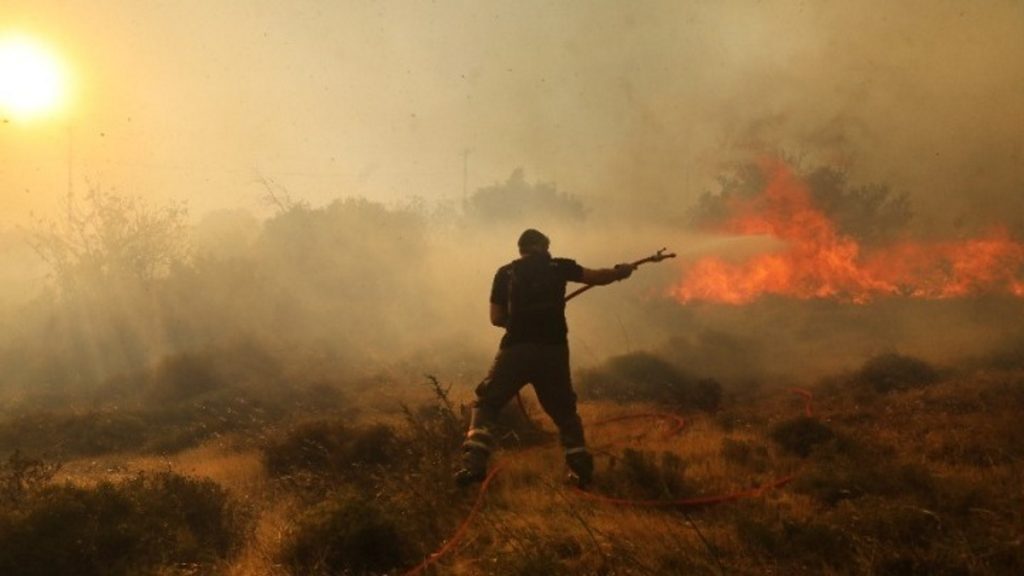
{"type": "Point", "coordinates": [528, 301]}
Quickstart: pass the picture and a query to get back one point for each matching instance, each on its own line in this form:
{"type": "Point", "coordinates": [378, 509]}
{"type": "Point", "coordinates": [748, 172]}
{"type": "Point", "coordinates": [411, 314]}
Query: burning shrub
{"type": "Point", "coordinates": [892, 371]}
{"type": "Point", "coordinates": [113, 529]}
{"type": "Point", "coordinates": [645, 377]}
{"type": "Point", "coordinates": [800, 435]}
{"type": "Point", "coordinates": [347, 534]}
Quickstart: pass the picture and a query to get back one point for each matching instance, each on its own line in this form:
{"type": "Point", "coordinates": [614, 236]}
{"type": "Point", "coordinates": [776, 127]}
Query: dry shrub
{"type": "Point", "coordinates": [645, 377]}
{"type": "Point", "coordinates": [347, 534]}
{"type": "Point", "coordinates": [182, 401]}
{"type": "Point", "coordinates": [645, 475]}
{"type": "Point", "coordinates": [118, 529]}
{"type": "Point", "coordinates": [166, 429]}
{"type": "Point", "coordinates": [539, 555]}
{"type": "Point", "coordinates": [744, 453]}
{"type": "Point", "coordinates": [22, 476]}
{"type": "Point", "coordinates": [890, 372]}
{"type": "Point", "coordinates": [331, 450]}
{"type": "Point", "coordinates": [807, 542]}
{"type": "Point", "coordinates": [85, 433]}
{"type": "Point", "coordinates": [800, 435]}
{"type": "Point", "coordinates": [847, 480]}
{"type": "Point", "coordinates": [182, 376]}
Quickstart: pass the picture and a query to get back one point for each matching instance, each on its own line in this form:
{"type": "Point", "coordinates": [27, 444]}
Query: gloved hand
{"type": "Point", "coordinates": [624, 270]}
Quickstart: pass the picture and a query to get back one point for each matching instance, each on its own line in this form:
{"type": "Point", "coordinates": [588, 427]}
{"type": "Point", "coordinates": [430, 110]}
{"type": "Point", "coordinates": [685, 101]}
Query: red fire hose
{"type": "Point", "coordinates": [700, 501]}
{"type": "Point", "coordinates": [678, 425]}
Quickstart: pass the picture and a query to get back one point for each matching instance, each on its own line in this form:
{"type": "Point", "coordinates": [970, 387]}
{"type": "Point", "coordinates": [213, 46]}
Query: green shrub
{"type": "Point", "coordinates": [645, 377]}
{"type": "Point", "coordinates": [119, 529]}
{"type": "Point", "coordinates": [347, 534]}
{"type": "Point", "coordinates": [889, 372]}
{"type": "Point", "coordinates": [800, 435]}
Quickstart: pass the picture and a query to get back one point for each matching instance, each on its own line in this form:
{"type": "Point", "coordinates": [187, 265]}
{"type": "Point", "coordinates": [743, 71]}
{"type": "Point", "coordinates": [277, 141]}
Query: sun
{"type": "Point", "coordinates": [33, 82]}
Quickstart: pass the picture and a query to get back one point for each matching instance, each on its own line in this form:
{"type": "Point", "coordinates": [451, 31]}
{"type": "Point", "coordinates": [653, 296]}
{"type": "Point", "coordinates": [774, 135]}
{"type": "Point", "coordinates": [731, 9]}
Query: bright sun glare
{"type": "Point", "coordinates": [32, 80]}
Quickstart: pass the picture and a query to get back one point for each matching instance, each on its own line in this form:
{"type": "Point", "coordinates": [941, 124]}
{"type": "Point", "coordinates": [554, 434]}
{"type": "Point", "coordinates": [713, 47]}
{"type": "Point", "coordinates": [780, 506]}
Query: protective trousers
{"type": "Point", "coordinates": [546, 366]}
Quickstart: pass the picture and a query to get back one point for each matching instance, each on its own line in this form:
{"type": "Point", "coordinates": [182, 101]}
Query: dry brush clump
{"type": "Point", "coordinates": [374, 497]}
{"type": "Point", "coordinates": [645, 475]}
{"type": "Point", "coordinates": [745, 454]}
{"type": "Point", "coordinates": [645, 377]}
{"type": "Point", "coordinates": [920, 480]}
{"type": "Point", "coordinates": [800, 435]}
{"type": "Point", "coordinates": [330, 451]}
{"type": "Point", "coordinates": [152, 522]}
{"type": "Point", "coordinates": [885, 373]}
{"type": "Point", "coordinates": [348, 533]}
{"type": "Point", "coordinates": [181, 401]}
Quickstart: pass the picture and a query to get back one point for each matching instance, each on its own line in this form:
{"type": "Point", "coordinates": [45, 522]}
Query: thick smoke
{"type": "Point", "coordinates": [398, 129]}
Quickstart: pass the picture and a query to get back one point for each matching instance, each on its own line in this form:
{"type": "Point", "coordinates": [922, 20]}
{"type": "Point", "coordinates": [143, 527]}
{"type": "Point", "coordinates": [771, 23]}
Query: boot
{"type": "Point", "coordinates": [474, 467]}
{"type": "Point", "coordinates": [581, 467]}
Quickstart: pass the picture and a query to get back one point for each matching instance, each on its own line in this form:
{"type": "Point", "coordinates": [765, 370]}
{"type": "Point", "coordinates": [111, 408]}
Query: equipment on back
{"type": "Point", "coordinates": [536, 289]}
{"type": "Point", "coordinates": [536, 300]}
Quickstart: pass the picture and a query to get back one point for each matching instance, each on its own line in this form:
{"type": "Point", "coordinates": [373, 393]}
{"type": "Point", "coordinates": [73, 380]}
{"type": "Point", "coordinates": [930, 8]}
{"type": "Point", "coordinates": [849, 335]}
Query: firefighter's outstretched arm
{"type": "Point", "coordinates": [499, 315]}
{"type": "Point", "coordinates": [603, 276]}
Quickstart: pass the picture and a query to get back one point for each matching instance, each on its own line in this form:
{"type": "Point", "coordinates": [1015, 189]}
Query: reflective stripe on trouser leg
{"type": "Point", "coordinates": [476, 445]}
{"type": "Point", "coordinates": [481, 433]}
{"type": "Point", "coordinates": [576, 450]}
{"type": "Point", "coordinates": [478, 438]}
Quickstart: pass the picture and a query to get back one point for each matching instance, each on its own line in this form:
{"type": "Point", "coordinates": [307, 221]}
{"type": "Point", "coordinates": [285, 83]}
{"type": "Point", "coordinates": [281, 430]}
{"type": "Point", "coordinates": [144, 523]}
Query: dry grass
{"type": "Point", "coordinates": [917, 480]}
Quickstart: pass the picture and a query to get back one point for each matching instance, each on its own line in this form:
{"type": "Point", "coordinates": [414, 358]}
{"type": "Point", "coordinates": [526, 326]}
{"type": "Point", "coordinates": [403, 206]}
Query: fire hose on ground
{"type": "Point", "coordinates": [678, 424]}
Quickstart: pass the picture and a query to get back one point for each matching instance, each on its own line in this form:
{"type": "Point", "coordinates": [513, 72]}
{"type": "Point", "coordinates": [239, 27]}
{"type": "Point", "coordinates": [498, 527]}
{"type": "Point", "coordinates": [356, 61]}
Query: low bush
{"type": "Point", "coordinates": [800, 435]}
{"type": "Point", "coordinates": [22, 476]}
{"type": "Point", "coordinates": [540, 556]}
{"type": "Point", "coordinates": [331, 449]}
{"type": "Point", "coordinates": [809, 542]}
{"type": "Point", "coordinates": [167, 426]}
{"type": "Point", "coordinates": [182, 376]}
{"type": "Point", "coordinates": [647, 378]}
{"type": "Point", "coordinates": [347, 534]}
{"type": "Point", "coordinates": [746, 454]}
{"type": "Point", "coordinates": [84, 433]}
{"type": "Point", "coordinates": [645, 475]}
{"type": "Point", "coordinates": [891, 372]}
{"type": "Point", "coordinates": [838, 477]}
{"type": "Point", "coordinates": [132, 527]}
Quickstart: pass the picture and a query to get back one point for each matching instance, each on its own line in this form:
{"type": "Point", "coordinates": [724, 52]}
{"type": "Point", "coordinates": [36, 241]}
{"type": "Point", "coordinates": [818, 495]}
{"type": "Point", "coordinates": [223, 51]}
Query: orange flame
{"type": "Point", "coordinates": [817, 261]}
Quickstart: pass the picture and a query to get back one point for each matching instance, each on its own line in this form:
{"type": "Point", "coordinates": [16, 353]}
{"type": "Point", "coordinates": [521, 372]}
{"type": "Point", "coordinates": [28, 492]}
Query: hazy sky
{"type": "Point", "coordinates": [624, 103]}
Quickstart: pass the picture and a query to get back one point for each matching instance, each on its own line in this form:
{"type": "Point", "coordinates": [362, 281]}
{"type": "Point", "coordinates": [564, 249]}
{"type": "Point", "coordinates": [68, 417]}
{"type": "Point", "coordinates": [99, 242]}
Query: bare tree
{"type": "Point", "coordinates": [109, 237]}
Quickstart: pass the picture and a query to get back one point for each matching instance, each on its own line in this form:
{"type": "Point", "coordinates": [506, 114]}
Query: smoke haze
{"type": "Point", "coordinates": [635, 104]}
{"type": "Point", "coordinates": [333, 156]}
